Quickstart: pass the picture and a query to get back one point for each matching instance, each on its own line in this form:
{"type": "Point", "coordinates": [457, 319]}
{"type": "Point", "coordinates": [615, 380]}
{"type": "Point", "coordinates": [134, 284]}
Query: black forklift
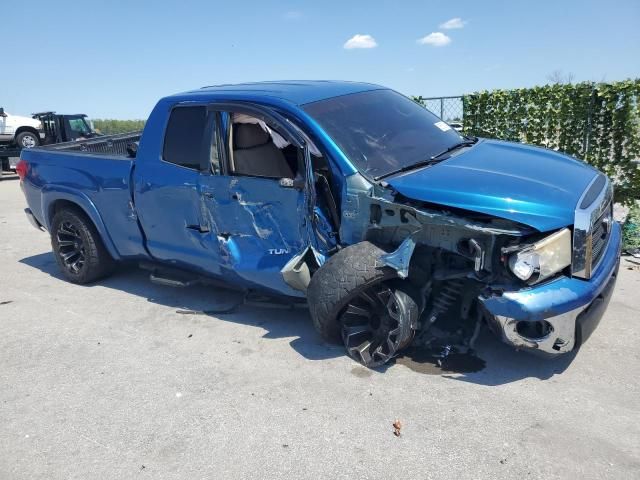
{"type": "Point", "coordinates": [58, 128]}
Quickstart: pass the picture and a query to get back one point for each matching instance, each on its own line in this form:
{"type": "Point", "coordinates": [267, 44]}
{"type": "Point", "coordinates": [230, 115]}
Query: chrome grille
{"type": "Point", "coordinates": [592, 225]}
{"type": "Point", "coordinates": [600, 236]}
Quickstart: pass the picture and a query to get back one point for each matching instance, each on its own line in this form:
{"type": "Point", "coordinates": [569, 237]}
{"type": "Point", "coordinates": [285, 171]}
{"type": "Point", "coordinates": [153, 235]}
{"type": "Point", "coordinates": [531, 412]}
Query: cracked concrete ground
{"type": "Point", "coordinates": [110, 381]}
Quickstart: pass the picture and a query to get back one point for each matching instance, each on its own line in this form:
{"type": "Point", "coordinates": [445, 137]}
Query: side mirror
{"type": "Point", "coordinates": [2, 114]}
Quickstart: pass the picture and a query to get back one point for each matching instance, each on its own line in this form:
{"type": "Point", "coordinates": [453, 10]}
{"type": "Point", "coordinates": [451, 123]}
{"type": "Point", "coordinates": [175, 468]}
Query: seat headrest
{"type": "Point", "coordinates": [249, 135]}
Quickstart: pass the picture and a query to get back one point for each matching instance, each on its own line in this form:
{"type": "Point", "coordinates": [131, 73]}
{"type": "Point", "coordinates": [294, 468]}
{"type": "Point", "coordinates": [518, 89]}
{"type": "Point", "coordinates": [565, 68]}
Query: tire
{"type": "Point", "coordinates": [78, 248]}
{"type": "Point", "coordinates": [27, 139]}
{"type": "Point", "coordinates": [352, 281]}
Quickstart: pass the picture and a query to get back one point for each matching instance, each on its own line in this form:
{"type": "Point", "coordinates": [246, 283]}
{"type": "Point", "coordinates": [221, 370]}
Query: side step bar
{"type": "Point", "coordinates": [169, 277]}
{"type": "Point", "coordinates": [167, 281]}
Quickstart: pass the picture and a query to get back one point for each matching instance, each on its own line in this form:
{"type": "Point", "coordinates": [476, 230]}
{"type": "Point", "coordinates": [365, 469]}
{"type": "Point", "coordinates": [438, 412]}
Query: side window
{"type": "Point", "coordinates": [258, 150]}
{"type": "Point", "coordinates": [185, 138]}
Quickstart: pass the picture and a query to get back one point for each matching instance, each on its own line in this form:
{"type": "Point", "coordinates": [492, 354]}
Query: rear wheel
{"type": "Point", "coordinates": [353, 299]}
{"type": "Point", "coordinates": [27, 140]}
{"type": "Point", "coordinates": [78, 248]}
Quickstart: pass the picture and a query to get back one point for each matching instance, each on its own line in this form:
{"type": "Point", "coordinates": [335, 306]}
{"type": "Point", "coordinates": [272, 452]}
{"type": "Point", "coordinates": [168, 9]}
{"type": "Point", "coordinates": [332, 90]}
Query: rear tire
{"type": "Point", "coordinates": [353, 299]}
{"type": "Point", "coordinates": [78, 248]}
{"type": "Point", "coordinates": [27, 140]}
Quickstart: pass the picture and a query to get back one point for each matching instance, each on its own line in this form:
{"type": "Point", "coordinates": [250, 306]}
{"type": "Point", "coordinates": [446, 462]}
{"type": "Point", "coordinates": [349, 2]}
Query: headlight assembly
{"type": "Point", "coordinates": [542, 259]}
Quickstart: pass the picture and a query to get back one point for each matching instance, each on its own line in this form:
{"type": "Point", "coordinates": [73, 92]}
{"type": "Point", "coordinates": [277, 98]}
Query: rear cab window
{"type": "Point", "coordinates": [186, 138]}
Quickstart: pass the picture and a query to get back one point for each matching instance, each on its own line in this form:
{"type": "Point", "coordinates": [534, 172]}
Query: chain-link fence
{"type": "Point", "coordinates": [448, 109]}
{"type": "Point", "coordinates": [598, 123]}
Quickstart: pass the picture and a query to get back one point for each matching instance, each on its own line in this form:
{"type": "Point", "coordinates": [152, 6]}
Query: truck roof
{"type": "Point", "coordinates": [42, 114]}
{"type": "Point", "coordinates": [299, 92]}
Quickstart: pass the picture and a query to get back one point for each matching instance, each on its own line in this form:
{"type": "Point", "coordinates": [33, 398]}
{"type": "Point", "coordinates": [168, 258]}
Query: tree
{"type": "Point", "coordinates": [110, 127]}
{"type": "Point", "coordinates": [559, 77]}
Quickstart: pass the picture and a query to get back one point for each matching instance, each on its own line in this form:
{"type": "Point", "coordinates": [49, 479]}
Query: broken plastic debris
{"type": "Point", "coordinates": [397, 426]}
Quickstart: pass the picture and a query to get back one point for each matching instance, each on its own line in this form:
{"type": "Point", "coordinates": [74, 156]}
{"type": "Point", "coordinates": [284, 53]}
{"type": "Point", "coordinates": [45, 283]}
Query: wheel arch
{"type": "Point", "coordinates": [24, 128]}
{"type": "Point", "coordinates": [54, 201]}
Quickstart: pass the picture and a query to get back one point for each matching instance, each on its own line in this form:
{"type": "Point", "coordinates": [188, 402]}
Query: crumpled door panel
{"type": "Point", "coordinates": [259, 226]}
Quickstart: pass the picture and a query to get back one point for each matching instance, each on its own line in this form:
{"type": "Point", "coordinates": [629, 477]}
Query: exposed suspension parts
{"type": "Point", "coordinates": [446, 297]}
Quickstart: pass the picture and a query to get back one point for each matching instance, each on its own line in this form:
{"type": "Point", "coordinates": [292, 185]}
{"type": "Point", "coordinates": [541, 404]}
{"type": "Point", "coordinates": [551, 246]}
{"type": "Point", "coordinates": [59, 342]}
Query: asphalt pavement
{"type": "Point", "coordinates": [126, 379]}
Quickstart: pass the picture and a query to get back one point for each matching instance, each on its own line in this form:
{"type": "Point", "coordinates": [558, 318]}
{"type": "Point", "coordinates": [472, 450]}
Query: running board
{"type": "Point", "coordinates": [168, 275]}
{"type": "Point", "coordinates": [175, 282]}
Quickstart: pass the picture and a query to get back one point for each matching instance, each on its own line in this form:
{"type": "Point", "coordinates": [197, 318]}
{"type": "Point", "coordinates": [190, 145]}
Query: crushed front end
{"type": "Point", "coordinates": [558, 315]}
{"type": "Point", "coordinates": [543, 292]}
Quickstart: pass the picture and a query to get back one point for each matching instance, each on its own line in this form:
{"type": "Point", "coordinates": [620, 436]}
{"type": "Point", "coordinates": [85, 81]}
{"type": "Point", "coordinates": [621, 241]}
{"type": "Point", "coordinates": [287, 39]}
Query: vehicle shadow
{"type": "Point", "coordinates": [279, 320]}
{"type": "Point", "coordinates": [493, 363]}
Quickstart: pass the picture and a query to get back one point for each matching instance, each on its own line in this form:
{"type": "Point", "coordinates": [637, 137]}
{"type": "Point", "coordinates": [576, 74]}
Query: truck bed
{"type": "Point", "coordinates": [110, 145]}
{"type": "Point", "coordinates": [94, 173]}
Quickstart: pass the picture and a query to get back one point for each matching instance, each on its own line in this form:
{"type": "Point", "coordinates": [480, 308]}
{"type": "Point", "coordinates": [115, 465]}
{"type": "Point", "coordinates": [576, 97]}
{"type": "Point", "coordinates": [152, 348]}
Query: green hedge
{"type": "Point", "coordinates": [596, 122]}
{"type": "Point", "coordinates": [110, 127]}
{"type": "Point", "coordinates": [631, 230]}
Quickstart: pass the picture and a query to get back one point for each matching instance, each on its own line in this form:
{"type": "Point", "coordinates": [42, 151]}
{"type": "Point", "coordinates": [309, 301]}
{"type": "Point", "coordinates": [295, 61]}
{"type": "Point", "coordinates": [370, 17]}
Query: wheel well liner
{"type": "Point", "coordinates": [58, 205]}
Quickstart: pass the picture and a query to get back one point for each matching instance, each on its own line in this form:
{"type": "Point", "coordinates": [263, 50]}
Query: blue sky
{"type": "Point", "coordinates": [114, 59]}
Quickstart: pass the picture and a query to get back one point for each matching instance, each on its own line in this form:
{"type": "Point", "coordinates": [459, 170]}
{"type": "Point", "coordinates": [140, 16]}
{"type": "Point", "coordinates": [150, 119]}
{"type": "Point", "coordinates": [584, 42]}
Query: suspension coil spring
{"type": "Point", "coordinates": [449, 294]}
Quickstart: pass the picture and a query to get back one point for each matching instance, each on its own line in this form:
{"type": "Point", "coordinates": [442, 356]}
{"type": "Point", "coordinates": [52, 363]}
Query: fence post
{"type": "Point", "coordinates": [462, 119]}
{"type": "Point", "coordinates": [442, 108]}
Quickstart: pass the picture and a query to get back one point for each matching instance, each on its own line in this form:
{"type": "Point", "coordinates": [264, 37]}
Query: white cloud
{"type": "Point", "coordinates": [435, 39]}
{"type": "Point", "coordinates": [360, 41]}
{"type": "Point", "coordinates": [292, 15]}
{"type": "Point", "coordinates": [456, 22]}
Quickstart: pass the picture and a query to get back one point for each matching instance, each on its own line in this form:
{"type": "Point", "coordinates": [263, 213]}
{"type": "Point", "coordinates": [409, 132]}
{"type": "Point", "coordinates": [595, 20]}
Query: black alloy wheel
{"type": "Point", "coordinates": [376, 324]}
{"type": "Point", "coordinates": [71, 247]}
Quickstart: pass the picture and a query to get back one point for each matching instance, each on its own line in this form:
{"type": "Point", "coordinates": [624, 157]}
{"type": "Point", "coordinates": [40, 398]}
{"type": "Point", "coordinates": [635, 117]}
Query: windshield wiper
{"type": "Point", "coordinates": [413, 166]}
{"type": "Point", "coordinates": [465, 143]}
{"type": "Point", "coordinates": [431, 160]}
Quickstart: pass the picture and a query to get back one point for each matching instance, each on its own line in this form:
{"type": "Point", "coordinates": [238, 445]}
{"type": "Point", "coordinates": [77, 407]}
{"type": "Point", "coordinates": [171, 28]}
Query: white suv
{"type": "Point", "coordinates": [24, 132]}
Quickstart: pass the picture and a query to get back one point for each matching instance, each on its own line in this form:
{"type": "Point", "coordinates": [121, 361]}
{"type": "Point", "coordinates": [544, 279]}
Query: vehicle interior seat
{"type": "Point", "coordinates": [254, 153]}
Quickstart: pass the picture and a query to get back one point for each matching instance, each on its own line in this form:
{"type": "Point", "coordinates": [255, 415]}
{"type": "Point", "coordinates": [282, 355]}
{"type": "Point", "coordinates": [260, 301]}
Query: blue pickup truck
{"type": "Point", "coordinates": [391, 225]}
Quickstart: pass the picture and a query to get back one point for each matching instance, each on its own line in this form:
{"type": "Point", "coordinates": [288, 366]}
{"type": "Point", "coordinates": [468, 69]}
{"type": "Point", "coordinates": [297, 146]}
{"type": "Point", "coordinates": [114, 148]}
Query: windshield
{"type": "Point", "coordinates": [382, 131]}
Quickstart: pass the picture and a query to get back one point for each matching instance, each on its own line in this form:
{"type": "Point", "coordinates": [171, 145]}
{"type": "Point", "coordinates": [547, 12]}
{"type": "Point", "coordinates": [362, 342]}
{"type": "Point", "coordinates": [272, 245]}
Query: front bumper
{"type": "Point", "coordinates": [567, 310]}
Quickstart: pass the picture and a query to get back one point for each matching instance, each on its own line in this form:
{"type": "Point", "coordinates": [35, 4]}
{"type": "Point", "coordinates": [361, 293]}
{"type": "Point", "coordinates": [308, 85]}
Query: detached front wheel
{"type": "Point", "coordinates": [356, 300]}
